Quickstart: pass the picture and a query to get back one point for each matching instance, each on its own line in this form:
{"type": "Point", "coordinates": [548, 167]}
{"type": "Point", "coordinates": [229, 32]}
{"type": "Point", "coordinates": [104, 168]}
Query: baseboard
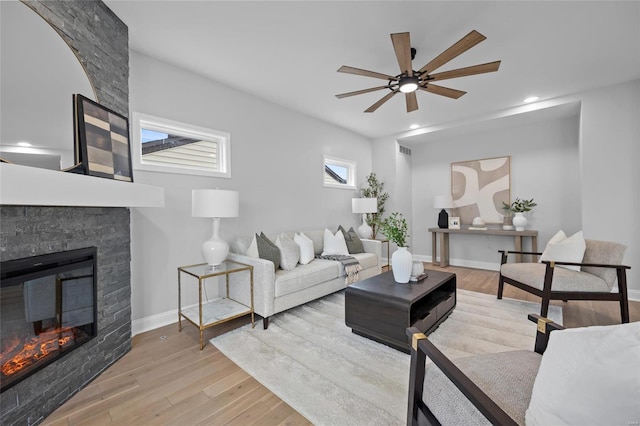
{"type": "Point", "coordinates": [152, 322]}
{"type": "Point", "coordinates": [464, 263]}
{"type": "Point", "coordinates": [634, 295]}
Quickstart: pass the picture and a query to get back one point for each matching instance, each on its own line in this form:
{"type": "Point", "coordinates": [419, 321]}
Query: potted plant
{"type": "Point", "coordinates": [373, 189]}
{"type": "Point", "coordinates": [519, 207]}
{"type": "Point", "coordinates": [396, 229]}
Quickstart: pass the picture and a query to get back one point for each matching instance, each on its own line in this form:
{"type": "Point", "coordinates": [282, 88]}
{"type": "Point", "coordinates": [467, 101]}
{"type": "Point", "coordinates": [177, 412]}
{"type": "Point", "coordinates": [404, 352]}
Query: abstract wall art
{"type": "Point", "coordinates": [479, 187]}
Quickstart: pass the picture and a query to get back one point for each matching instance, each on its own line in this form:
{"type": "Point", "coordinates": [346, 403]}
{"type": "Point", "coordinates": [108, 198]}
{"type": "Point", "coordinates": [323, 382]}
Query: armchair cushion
{"type": "Point", "coordinates": [563, 249]}
{"type": "Point", "coordinates": [603, 252]}
{"type": "Point", "coordinates": [532, 274]}
{"type": "Point", "coordinates": [588, 375]}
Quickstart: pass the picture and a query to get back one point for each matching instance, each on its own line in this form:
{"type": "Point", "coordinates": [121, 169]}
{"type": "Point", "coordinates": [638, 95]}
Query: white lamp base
{"type": "Point", "coordinates": [364, 230]}
{"type": "Point", "coordinates": [215, 250]}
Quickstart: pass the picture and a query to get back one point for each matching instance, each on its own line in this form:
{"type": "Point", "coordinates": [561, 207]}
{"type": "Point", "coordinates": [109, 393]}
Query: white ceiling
{"type": "Point", "coordinates": [288, 51]}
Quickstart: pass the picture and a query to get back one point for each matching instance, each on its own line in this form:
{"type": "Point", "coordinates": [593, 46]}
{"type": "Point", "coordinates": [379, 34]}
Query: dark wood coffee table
{"type": "Point", "coordinates": [381, 309]}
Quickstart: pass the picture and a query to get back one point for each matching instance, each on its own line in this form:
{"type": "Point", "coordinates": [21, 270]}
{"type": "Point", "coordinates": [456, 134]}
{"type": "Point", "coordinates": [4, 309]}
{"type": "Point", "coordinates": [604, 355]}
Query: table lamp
{"type": "Point", "coordinates": [443, 202]}
{"type": "Point", "coordinates": [215, 203]}
{"type": "Point", "coordinates": [364, 206]}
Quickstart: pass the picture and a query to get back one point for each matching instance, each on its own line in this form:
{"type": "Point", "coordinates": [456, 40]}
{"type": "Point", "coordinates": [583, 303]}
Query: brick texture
{"type": "Point", "coordinates": [100, 41]}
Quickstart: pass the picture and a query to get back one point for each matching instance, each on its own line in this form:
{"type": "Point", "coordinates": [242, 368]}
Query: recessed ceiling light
{"type": "Point", "coordinates": [531, 99]}
{"type": "Point", "coordinates": [23, 144]}
{"type": "Point", "coordinates": [414, 126]}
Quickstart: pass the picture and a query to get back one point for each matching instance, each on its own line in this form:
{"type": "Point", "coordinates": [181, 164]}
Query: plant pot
{"type": "Point", "coordinates": [519, 221]}
{"type": "Point", "coordinates": [401, 265]}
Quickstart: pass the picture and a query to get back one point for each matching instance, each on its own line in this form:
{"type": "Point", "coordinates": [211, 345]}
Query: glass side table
{"type": "Point", "coordinates": [216, 311]}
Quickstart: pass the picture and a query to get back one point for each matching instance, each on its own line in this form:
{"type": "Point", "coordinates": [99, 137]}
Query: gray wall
{"type": "Point", "coordinates": [276, 167]}
{"type": "Point", "coordinates": [544, 166]}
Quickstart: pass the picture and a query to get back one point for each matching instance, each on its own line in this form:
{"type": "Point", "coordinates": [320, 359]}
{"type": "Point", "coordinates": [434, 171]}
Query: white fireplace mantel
{"type": "Point", "coordinates": [31, 186]}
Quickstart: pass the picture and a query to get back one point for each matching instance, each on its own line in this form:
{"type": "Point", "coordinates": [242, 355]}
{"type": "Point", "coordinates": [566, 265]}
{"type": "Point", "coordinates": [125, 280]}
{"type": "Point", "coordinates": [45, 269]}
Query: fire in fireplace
{"type": "Point", "coordinates": [47, 309]}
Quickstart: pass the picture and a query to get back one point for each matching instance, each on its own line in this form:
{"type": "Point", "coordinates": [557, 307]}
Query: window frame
{"type": "Point", "coordinates": [164, 125]}
{"type": "Point", "coordinates": [351, 174]}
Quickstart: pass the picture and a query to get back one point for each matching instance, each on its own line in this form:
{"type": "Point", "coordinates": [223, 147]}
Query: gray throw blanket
{"type": "Point", "coordinates": [350, 265]}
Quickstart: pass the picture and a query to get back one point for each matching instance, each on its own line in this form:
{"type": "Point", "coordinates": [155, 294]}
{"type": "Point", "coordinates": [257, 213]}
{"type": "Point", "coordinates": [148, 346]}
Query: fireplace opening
{"type": "Point", "coordinates": [47, 309]}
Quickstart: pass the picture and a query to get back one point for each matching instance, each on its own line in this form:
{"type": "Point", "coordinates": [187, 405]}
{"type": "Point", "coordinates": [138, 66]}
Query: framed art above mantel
{"type": "Point", "coordinates": [479, 187]}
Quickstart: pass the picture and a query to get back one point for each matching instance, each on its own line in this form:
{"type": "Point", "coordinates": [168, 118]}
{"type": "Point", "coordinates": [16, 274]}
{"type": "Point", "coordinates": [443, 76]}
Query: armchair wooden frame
{"type": "Point", "coordinates": [547, 293]}
{"type": "Point", "coordinates": [420, 414]}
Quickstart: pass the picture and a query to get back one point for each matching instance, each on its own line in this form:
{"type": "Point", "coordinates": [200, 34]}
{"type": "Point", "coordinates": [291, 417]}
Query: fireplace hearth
{"type": "Point", "coordinates": [47, 309]}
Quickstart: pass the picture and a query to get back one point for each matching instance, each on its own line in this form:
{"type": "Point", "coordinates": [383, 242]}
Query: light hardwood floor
{"type": "Point", "coordinates": [165, 378]}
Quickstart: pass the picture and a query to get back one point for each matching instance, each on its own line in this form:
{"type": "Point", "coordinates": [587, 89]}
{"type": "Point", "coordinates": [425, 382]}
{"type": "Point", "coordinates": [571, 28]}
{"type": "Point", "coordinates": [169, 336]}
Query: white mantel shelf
{"type": "Point", "coordinates": [31, 186]}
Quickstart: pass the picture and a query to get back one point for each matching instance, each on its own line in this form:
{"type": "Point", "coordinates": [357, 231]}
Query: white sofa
{"type": "Point", "coordinates": [278, 290]}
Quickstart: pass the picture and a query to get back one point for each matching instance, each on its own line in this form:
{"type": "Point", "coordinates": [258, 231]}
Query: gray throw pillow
{"type": "Point", "coordinates": [354, 244]}
{"type": "Point", "coordinates": [267, 250]}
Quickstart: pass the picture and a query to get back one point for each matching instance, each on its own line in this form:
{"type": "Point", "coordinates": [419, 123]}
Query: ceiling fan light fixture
{"type": "Point", "coordinates": [408, 84]}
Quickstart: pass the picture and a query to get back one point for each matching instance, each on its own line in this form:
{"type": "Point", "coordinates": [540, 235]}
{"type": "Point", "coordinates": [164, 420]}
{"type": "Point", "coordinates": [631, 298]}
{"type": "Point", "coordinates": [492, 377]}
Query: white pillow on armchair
{"type": "Point", "coordinates": [565, 249]}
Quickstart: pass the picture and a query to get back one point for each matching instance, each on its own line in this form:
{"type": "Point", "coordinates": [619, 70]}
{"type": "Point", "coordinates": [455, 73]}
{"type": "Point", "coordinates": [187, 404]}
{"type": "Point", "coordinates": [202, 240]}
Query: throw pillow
{"type": "Point", "coordinates": [588, 375]}
{"type": "Point", "coordinates": [305, 244]}
{"type": "Point", "coordinates": [252, 250]}
{"type": "Point", "coordinates": [354, 244]}
{"type": "Point", "coordinates": [563, 249]}
{"type": "Point", "coordinates": [268, 250]}
{"type": "Point", "coordinates": [334, 243]}
{"type": "Point", "coordinates": [289, 252]}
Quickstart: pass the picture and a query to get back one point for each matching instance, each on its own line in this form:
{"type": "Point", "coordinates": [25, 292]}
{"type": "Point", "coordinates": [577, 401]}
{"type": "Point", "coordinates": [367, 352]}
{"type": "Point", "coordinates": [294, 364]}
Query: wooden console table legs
{"type": "Point", "coordinates": [444, 249]}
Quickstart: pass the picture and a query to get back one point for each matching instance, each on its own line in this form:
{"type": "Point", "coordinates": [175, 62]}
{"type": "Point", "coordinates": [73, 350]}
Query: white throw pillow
{"type": "Point", "coordinates": [563, 249]}
{"type": "Point", "coordinates": [305, 243]}
{"type": "Point", "coordinates": [289, 252]}
{"type": "Point", "coordinates": [334, 244]}
{"type": "Point", "coordinates": [252, 250]}
{"type": "Point", "coordinates": [588, 376]}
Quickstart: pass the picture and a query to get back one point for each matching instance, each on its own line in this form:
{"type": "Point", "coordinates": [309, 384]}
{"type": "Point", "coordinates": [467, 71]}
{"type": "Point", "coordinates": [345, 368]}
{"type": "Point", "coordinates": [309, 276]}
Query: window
{"type": "Point", "coordinates": [338, 173]}
{"type": "Point", "coordinates": [163, 145]}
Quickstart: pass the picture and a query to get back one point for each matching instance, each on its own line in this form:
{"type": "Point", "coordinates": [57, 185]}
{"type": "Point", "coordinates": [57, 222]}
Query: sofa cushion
{"type": "Point", "coordinates": [268, 250]}
{"type": "Point", "coordinates": [334, 244]}
{"type": "Point", "coordinates": [507, 378]}
{"type": "Point", "coordinates": [367, 260]}
{"type": "Point", "coordinates": [532, 274]}
{"type": "Point", "coordinates": [589, 375]}
{"type": "Point", "coordinates": [289, 252]}
{"type": "Point", "coordinates": [354, 244]}
{"type": "Point", "coordinates": [318, 240]}
{"type": "Point", "coordinates": [305, 245]}
{"type": "Point", "coordinates": [305, 276]}
{"type": "Point", "coordinates": [563, 249]}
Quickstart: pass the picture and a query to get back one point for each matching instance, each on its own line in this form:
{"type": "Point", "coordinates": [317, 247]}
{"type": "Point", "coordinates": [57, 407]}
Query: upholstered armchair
{"type": "Point", "coordinates": [593, 278]}
{"type": "Point", "coordinates": [573, 376]}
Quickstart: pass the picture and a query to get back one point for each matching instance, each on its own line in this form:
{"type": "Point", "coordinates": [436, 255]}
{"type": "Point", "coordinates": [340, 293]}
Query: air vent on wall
{"type": "Point", "coordinates": [404, 150]}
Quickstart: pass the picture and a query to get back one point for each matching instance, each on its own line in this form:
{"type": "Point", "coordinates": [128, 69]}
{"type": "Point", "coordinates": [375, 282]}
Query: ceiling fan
{"type": "Point", "coordinates": [409, 80]}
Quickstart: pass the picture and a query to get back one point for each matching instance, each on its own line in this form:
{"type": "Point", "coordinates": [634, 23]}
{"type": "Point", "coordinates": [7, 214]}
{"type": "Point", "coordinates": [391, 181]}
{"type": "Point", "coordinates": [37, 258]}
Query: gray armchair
{"type": "Point", "coordinates": [599, 269]}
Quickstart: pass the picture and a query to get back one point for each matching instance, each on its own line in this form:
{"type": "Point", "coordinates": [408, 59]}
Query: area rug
{"type": "Point", "coordinates": [313, 362]}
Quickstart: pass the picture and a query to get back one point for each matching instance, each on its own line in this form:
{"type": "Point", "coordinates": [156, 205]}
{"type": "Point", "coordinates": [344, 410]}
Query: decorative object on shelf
{"type": "Point", "coordinates": [417, 269]}
{"type": "Point", "coordinates": [396, 229]}
{"type": "Point", "coordinates": [374, 189]}
{"type": "Point", "coordinates": [478, 187]}
{"type": "Point", "coordinates": [215, 203]}
{"type": "Point", "coordinates": [507, 222]}
{"type": "Point", "coordinates": [101, 141]}
{"type": "Point", "coordinates": [519, 207]}
{"type": "Point", "coordinates": [364, 206]}
{"type": "Point", "coordinates": [454, 222]}
{"type": "Point", "coordinates": [443, 202]}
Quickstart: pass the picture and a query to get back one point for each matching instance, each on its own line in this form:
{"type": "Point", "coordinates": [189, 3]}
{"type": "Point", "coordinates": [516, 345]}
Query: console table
{"type": "Point", "coordinates": [444, 241]}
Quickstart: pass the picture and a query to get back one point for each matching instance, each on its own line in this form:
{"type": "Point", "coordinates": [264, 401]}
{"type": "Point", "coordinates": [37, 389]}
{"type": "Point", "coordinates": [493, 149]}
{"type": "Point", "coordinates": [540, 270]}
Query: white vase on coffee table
{"type": "Point", "coordinates": [401, 265]}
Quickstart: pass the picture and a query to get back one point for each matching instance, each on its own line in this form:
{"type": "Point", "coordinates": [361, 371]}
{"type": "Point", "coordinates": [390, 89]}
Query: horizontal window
{"type": "Point", "coordinates": [338, 173]}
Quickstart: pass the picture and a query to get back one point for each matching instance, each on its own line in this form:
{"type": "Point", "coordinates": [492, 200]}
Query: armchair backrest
{"type": "Point", "coordinates": [603, 252]}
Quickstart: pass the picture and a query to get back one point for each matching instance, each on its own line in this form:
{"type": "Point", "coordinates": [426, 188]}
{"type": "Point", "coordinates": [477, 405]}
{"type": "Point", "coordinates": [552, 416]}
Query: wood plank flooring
{"type": "Point", "coordinates": [166, 380]}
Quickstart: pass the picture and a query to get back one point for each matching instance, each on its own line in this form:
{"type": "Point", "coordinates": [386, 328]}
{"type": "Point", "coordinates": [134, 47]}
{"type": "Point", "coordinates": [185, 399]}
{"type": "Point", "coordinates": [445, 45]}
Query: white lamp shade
{"type": "Point", "coordinates": [364, 205]}
{"type": "Point", "coordinates": [215, 203]}
{"type": "Point", "coordinates": [442, 202]}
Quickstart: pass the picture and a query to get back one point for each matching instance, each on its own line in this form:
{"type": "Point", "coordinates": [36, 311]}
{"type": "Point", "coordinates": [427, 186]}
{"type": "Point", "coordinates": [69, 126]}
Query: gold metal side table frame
{"type": "Point", "coordinates": [219, 310]}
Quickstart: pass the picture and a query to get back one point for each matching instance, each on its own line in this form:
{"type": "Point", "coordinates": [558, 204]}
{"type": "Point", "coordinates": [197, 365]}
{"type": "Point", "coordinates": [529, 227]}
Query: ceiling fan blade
{"type": "Point", "coordinates": [358, 71]}
{"type": "Point", "coordinates": [463, 72]}
{"type": "Point", "coordinates": [443, 91]}
{"type": "Point", "coordinates": [360, 92]}
{"type": "Point", "coordinates": [412, 101]}
{"type": "Point", "coordinates": [402, 46]}
{"type": "Point", "coordinates": [378, 104]}
{"type": "Point", "coordinates": [461, 46]}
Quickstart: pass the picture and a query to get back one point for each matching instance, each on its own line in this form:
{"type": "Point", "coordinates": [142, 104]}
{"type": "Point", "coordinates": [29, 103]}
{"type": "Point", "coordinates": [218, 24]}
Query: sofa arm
{"type": "Point", "coordinates": [264, 278]}
{"type": "Point", "coordinates": [375, 247]}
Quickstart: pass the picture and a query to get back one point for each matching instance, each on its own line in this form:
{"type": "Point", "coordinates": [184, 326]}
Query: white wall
{"type": "Point", "coordinates": [277, 167]}
{"type": "Point", "coordinates": [544, 166]}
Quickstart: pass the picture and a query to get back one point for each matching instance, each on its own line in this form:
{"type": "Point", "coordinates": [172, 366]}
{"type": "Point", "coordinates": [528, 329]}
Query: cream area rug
{"type": "Point", "coordinates": [312, 360]}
